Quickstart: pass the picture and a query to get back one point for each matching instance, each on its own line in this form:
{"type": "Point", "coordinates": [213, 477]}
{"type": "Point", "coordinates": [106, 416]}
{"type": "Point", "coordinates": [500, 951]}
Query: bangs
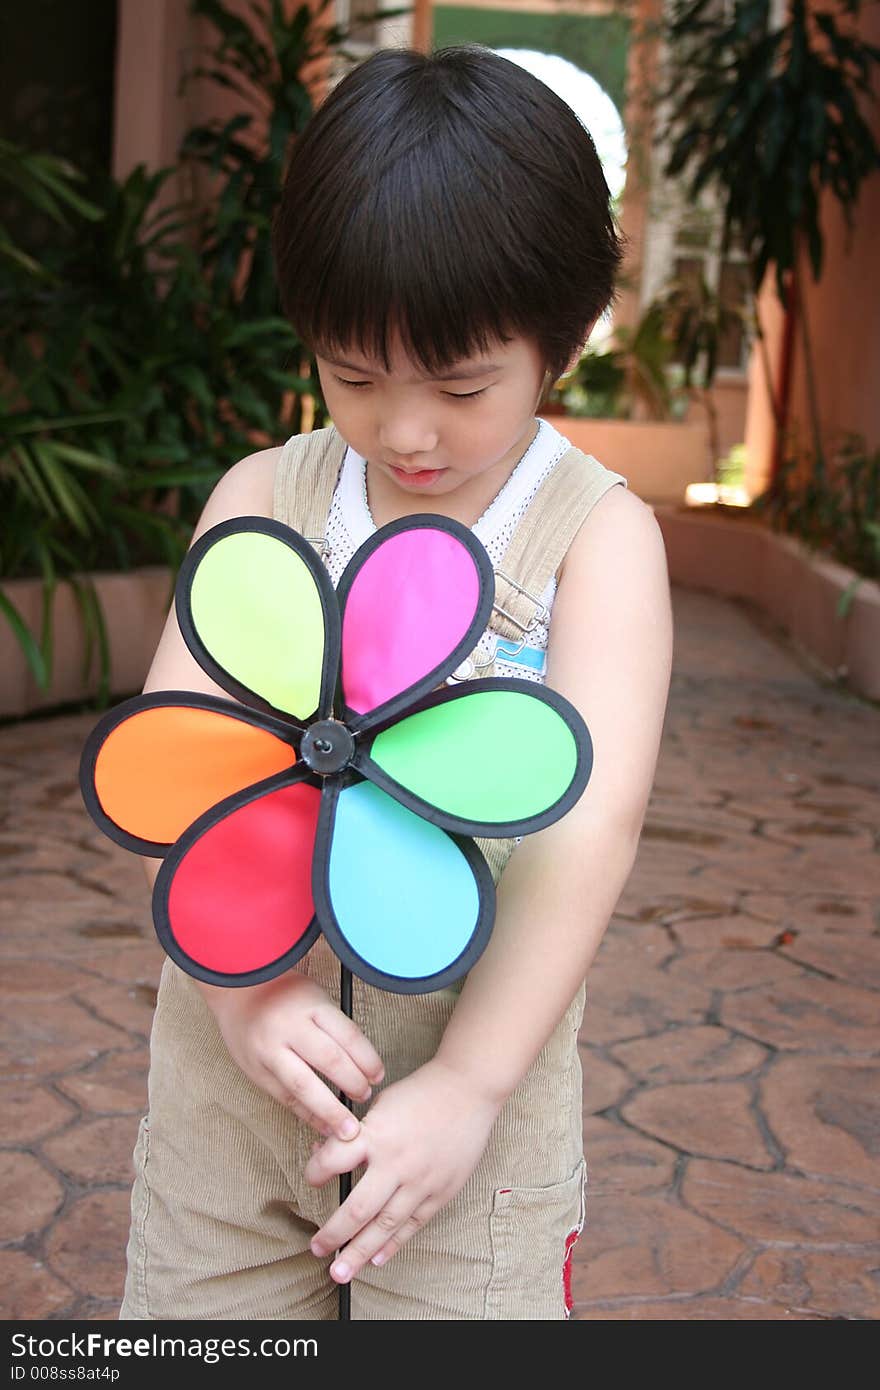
{"type": "Point", "coordinates": [416, 261]}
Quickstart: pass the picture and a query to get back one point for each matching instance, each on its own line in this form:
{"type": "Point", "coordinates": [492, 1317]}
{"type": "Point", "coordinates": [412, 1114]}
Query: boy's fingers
{"type": "Point", "coordinates": [366, 1200]}
{"type": "Point", "coordinates": [307, 1094]}
{"type": "Point", "coordinates": [327, 1056]}
{"type": "Point", "coordinates": [335, 1157]}
{"type": "Point", "coordinates": [382, 1238]}
{"type": "Point", "coordinates": [346, 1032]}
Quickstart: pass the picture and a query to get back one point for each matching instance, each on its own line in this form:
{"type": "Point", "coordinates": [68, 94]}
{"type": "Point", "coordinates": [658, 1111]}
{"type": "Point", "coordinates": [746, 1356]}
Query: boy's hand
{"type": "Point", "coordinates": [281, 1033]}
{"type": "Point", "coordinates": [421, 1140]}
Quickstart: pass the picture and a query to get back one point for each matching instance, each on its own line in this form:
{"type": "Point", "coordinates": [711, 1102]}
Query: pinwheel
{"type": "Point", "coordinates": [340, 788]}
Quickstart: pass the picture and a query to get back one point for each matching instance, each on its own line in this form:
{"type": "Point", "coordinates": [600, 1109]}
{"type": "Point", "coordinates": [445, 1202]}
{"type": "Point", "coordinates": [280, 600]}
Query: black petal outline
{"type": "Point", "coordinates": [489, 829]}
{"type": "Point", "coordinates": [181, 847]}
{"type": "Point", "coordinates": [155, 699]}
{"type": "Point", "coordinates": [399, 704]}
{"type": "Point", "coordinates": [339, 944]}
{"type": "Point", "coordinates": [267, 526]}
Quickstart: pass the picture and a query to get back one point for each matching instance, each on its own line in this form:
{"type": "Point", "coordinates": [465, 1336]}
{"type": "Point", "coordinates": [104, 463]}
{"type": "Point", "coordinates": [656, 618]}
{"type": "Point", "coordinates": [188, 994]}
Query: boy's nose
{"type": "Point", "coordinates": [405, 442]}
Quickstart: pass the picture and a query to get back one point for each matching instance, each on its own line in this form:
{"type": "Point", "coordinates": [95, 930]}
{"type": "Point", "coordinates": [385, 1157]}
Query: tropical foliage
{"type": "Point", "coordinates": [142, 350]}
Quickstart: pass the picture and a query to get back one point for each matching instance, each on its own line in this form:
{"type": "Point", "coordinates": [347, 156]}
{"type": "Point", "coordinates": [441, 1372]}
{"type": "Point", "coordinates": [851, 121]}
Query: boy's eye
{"type": "Point", "coordinates": [456, 395]}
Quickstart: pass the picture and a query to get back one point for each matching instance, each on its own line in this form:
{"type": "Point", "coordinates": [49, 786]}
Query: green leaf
{"type": "Point", "coordinates": [845, 602]}
{"type": "Point", "coordinates": [32, 654]}
{"type": "Point", "coordinates": [96, 633]}
{"type": "Point", "coordinates": [66, 492]}
{"type": "Point", "coordinates": [85, 458]}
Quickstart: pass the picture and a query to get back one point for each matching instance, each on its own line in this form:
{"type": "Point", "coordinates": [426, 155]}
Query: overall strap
{"type": "Point", "coordinates": [305, 479]}
{"type": "Point", "coordinates": [540, 542]}
{"type": "Point", "coordinates": [534, 552]}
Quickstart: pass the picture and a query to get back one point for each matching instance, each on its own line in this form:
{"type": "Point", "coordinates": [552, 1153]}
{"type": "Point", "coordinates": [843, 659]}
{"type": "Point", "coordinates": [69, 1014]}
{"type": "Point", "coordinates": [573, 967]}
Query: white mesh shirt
{"type": "Point", "coordinates": [350, 523]}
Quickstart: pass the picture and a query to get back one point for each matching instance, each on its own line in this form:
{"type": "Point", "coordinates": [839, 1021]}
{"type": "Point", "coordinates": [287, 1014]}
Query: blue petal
{"type": "Point", "coordinates": [410, 902]}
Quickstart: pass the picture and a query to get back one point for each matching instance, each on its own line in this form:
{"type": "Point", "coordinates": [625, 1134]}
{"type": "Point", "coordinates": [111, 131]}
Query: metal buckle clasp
{"type": "Point", "coordinates": [539, 615]}
{"type": "Point", "coordinates": [320, 543]}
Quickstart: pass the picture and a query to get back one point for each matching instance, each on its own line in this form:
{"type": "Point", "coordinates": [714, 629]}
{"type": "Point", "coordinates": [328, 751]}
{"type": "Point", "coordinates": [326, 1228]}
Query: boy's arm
{"type": "Point", "coordinates": [283, 1032]}
{"type": "Point", "coordinates": [610, 654]}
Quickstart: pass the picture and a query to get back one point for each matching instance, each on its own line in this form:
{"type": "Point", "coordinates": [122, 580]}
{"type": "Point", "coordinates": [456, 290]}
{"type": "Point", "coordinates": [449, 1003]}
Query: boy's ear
{"type": "Point", "coordinates": [573, 361]}
{"type": "Point", "coordinates": [578, 354]}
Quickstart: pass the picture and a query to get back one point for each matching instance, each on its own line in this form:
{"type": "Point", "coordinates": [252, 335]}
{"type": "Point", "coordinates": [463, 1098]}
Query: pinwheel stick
{"type": "Point", "coordinates": [345, 1178]}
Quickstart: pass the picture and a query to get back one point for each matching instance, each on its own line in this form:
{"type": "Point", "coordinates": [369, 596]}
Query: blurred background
{"type": "Point", "coordinates": [731, 1035]}
{"type": "Point", "coordinates": [142, 148]}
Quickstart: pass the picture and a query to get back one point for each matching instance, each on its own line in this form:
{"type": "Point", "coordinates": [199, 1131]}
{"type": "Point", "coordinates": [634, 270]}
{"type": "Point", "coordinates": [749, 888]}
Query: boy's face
{"type": "Point", "coordinates": [433, 436]}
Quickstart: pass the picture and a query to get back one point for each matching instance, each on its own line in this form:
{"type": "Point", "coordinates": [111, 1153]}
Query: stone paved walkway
{"type": "Point", "coordinates": [730, 1045]}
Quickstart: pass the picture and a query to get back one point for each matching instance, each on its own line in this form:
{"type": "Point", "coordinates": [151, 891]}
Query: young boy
{"type": "Point", "coordinates": [444, 245]}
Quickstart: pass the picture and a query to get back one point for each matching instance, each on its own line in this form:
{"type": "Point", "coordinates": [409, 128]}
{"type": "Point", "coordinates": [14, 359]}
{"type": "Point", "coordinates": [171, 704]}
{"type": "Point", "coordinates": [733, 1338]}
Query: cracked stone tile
{"type": "Point", "coordinates": [86, 1246]}
{"type": "Point", "coordinates": [830, 1282]}
{"type": "Point", "coordinates": [620, 1159]}
{"type": "Point", "coordinates": [48, 1040]}
{"type": "Point", "coordinates": [635, 1245]}
{"type": "Point", "coordinates": [780, 1206]}
{"type": "Point", "coordinates": [732, 970]}
{"type": "Point", "coordinates": [703, 1053]}
{"type": "Point", "coordinates": [134, 959]}
{"type": "Point", "coordinates": [825, 1113]}
{"type": "Point", "coordinates": [835, 836]}
{"type": "Point", "coordinates": [33, 978]}
{"type": "Point", "coordinates": [117, 1084]}
{"type": "Point", "coordinates": [130, 1007]}
{"type": "Point", "coordinates": [853, 957]}
{"type": "Point", "coordinates": [712, 1118]}
{"type": "Point", "coordinates": [738, 932]}
{"type": "Point", "coordinates": [30, 1291]}
{"type": "Point", "coordinates": [624, 940]}
{"type": "Point", "coordinates": [96, 1152]}
{"type": "Point", "coordinates": [29, 1114]}
{"type": "Point", "coordinates": [822, 910]}
{"type": "Point", "coordinates": [812, 1014]}
{"type": "Point", "coordinates": [638, 1000]}
{"type": "Point", "coordinates": [604, 1083]}
{"type": "Point", "coordinates": [29, 1195]}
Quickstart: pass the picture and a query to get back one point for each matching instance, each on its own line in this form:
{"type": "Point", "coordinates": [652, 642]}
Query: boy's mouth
{"type": "Point", "coordinates": [416, 477]}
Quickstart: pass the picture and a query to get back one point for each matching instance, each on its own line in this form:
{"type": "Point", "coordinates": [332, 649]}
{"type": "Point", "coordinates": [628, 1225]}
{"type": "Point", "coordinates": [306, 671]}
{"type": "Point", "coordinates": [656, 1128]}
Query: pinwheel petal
{"type": "Point", "coordinates": [257, 610]}
{"type": "Point", "coordinates": [157, 762]}
{"type": "Point", "coordinates": [415, 600]}
{"type": "Point", "coordinates": [403, 904]}
{"type": "Point", "coordinates": [233, 900]}
{"type": "Point", "coordinates": [493, 757]}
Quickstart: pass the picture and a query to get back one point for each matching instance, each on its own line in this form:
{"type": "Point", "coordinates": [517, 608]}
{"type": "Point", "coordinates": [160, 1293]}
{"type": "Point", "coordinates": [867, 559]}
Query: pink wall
{"type": "Point", "coordinates": [159, 41]}
{"type": "Point", "coordinates": [843, 314]}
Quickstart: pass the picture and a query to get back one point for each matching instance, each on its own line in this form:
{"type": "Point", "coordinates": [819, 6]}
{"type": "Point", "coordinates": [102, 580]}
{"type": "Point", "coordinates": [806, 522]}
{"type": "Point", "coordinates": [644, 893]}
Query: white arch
{"type": "Point", "coordinates": [588, 100]}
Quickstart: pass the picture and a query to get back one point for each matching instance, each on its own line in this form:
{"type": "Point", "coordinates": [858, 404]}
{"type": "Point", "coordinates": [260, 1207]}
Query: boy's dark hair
{"type": "Point", "coordinates": [451, 195]}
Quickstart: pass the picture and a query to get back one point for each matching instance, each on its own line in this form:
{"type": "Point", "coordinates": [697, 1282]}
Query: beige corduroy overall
{"type": "Point", "coordinates": [221, 1215]}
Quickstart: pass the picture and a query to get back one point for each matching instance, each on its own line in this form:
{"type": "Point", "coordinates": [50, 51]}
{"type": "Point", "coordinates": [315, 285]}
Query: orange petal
{"type": "Point", "coordinates": [160, 768]}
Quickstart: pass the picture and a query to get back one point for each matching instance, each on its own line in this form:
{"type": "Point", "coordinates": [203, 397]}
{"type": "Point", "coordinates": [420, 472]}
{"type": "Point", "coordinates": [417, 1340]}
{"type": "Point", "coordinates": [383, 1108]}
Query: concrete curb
{"type": "Point", "coordinates": [798, 588]}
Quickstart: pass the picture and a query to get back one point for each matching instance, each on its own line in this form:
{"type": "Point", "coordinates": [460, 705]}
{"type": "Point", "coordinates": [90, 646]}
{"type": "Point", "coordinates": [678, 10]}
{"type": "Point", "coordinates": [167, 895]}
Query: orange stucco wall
{"type": "Point", "coordinates": [843, 314]}
{"type": "Point", "coordinates": [158, 43]}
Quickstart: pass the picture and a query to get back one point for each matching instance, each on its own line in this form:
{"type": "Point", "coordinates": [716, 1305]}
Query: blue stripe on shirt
{"type": "Point", "coordinates": [535, 657]}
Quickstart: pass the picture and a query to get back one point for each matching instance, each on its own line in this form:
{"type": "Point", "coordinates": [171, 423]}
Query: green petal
{"type": "Point", "coordinates": [257, 609]}
{"type": "Point", "coordinates": [489, 756]}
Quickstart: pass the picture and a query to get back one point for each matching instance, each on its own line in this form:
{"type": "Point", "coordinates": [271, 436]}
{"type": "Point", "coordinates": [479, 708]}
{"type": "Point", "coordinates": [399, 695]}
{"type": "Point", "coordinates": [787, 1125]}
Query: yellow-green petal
{"type": "Point", "coordinates": [257, 609]}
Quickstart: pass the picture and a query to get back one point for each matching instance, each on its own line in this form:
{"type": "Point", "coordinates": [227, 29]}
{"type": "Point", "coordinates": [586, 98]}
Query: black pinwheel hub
{"type": "Point", "coordinates": [327, 747]}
